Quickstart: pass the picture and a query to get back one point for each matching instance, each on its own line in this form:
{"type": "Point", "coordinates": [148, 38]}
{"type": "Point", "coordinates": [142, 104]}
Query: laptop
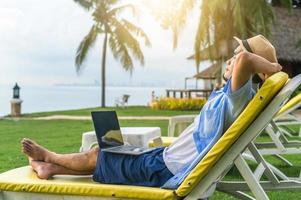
{"type": "Point", "coordinates": [109, 136]}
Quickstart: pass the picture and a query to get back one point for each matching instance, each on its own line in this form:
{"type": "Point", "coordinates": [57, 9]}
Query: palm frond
{"type": "Point", "coordinates": [239, 23]}
{"type": "Point", "coordinates": [123, 44]}
{"type": "Point", "coordinates": [202, 38]}
{"type": "Point", "coordinates": [121, 53]}
{"type": "Point", "coordinates": [86, 4]}
{"type": "Point", "coordinates": [117, 10]}
{"type": "Point", "coordinates": [86, 44]}
{"type": "Point", "coordinates": [125, 37]}
{"type": "Point", "coordinates": [174, 16]}
{"type": "Point", "coordinates": [181, 18]}
{"type": "Point", "coordinates": [137, 30]}
{"type": "Point", "coordinates": [221, 20]}
{"type": "Point", "coordinates": [110, 2]}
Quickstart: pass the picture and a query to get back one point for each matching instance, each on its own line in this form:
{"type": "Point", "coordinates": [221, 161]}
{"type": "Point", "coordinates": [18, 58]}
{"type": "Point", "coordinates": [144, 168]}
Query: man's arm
{"type": "Point", "coordinates": [247, 64]}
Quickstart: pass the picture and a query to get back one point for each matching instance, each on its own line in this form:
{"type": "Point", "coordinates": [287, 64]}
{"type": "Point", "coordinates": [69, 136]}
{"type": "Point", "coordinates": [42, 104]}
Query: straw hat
{"type": "Point", "coordinates": [260, 46]}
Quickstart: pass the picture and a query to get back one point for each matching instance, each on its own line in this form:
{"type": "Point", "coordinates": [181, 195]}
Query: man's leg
{"type": "Point", "coordinates": [47, 170]}
{"type": "Point", "coordinates": [85, 161]}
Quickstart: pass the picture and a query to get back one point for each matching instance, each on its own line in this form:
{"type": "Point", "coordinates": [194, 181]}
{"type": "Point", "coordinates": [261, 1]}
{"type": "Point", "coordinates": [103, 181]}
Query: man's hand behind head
{"type": "Point", "coordinates": [276, 67]}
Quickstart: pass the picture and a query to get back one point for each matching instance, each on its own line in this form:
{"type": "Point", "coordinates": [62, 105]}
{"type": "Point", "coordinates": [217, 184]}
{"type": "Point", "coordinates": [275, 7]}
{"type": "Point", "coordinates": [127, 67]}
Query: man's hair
{"type": "Point", "coordinates": [257, 80]}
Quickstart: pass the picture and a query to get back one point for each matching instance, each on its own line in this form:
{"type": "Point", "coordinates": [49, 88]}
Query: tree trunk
{"type": "Point", "coordinates": [103, 72]}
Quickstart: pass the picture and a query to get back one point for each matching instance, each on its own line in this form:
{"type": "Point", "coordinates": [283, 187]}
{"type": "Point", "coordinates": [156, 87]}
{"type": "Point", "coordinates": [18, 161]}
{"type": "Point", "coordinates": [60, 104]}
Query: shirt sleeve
{"type": "Point", "coordinates": [244, 92]}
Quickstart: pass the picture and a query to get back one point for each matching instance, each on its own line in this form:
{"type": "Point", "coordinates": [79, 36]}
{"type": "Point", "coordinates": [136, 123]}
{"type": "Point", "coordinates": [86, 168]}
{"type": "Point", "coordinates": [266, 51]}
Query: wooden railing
{"type": "Point", "coordinates": [188, 93]}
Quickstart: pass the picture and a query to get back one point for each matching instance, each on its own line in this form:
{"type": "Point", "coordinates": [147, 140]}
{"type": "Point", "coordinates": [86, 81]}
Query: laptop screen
{"type": "Point", "coordinates": [107, 128]}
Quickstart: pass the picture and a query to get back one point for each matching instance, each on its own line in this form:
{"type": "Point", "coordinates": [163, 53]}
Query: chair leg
{"type": "Point", "coordinates": [285, 132]}
{"type": "Point", "coordinates": [238, 194]}
{"type": "Point", "coordinates": [283, 159]}
{"type": "Point", "coordinates": [171, 128]}
{"type": "Point", "coordinates": [250, 179]}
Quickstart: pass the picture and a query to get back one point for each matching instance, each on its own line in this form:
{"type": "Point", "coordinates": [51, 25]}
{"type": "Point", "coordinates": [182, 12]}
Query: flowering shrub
{"type": "Point", "coordinates": [178, 104]}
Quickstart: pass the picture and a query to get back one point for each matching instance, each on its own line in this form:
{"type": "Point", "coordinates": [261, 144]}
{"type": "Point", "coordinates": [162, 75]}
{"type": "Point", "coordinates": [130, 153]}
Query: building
{"type": "Point", "coordinates": [285, 35]}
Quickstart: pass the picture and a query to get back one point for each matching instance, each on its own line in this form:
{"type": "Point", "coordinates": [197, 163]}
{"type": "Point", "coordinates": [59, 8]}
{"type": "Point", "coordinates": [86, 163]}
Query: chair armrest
{"type": "Point", "coordinates": [181, 120]}
{"type": "Point", "coordinates": [88, 141]}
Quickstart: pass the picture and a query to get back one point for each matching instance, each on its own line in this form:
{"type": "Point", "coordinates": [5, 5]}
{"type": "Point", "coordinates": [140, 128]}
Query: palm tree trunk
{"type": "Point", "coordinates": [103, 72]}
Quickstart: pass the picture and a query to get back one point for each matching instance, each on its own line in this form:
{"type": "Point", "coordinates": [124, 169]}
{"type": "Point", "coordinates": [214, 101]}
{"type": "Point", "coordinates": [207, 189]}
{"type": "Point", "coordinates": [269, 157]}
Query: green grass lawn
{"type": "Point", "coordinates": [59, 135]}
{"type": "Point", "coordinates": [64, 136]}
{"type": "Point", "coordinates": [129, 111]}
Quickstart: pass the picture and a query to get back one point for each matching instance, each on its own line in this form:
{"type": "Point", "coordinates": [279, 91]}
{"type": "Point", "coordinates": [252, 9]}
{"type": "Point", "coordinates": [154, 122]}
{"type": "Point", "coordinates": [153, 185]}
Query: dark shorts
{"type": "Point", "coordinates": [147, 169]}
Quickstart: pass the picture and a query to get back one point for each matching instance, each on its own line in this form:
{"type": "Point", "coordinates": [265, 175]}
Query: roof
{"type": "Point", "coordinates": [286, 34]}
{"type": "Point", "coordinates": [212, 72]}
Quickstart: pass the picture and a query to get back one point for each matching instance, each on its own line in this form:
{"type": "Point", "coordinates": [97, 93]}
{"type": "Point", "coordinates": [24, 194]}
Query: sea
{"type": "Point", "coordinates": [54, 98]}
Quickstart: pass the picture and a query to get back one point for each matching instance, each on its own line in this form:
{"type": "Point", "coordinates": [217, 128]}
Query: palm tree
{"type": "Point", "coordinates": [120, 34]}
{"type": "Point", "coordinates": [219, 21]}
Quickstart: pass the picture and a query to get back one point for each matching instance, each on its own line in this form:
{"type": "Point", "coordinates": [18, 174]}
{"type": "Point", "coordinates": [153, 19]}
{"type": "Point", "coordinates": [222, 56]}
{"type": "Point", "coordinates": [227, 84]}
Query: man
{"type": "Point", "coordinates": [253, 56]}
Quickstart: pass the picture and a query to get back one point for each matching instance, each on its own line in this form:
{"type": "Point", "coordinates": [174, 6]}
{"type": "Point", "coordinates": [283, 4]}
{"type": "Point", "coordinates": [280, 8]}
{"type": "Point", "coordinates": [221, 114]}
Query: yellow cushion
{"type": "Point", "coordinates": [269, 89]}
{"type": "Point", "coordinates": [25, 180]}
{"type": "Point", "coordinates": [291, 103]}
{"type": "Point", "coordinates": [165, 140]}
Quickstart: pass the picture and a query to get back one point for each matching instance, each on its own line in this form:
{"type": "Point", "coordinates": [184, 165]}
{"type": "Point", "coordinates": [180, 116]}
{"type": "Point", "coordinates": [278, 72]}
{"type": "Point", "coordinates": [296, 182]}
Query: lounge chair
{"type": "Point", "coordinates": [122, 101]}
{"type": "Point", "coordinates": [286, 118]}
{"type": "Point", "coordinates": [201, 180]}
{"type": "Point", "coordinates": [279, 144]}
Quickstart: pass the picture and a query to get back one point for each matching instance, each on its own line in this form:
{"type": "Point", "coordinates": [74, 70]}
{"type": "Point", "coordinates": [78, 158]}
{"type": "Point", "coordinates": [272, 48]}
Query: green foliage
{"type": "Point", "coordinates": [86, 44]}
{"type": "Point", "coordinates": [219, 21]}
{"type": "Point", "coordinates": [228, 18]}
{"type": "Point", "coordinates": [178, 104]}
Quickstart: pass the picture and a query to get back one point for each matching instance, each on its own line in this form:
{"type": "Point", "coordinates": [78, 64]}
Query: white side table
{"type": "Point", "coordinates": [137, 136]}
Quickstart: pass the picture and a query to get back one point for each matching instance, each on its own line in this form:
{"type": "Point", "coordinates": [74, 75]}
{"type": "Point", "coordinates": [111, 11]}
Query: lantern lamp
{"type": "Point", "coordinates": [16, 92]}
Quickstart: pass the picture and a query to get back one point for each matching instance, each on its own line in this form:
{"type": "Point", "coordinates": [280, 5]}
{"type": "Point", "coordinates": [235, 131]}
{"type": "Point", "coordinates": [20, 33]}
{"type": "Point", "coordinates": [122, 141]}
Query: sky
{"type": "Point", "coordinates": [38, 42]}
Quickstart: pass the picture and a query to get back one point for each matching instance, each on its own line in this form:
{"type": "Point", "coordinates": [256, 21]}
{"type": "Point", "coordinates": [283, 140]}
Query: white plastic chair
{"type": "Point", "coordinates": [122, 101]}
{"type": "Point", "coordinates": [180, 122]}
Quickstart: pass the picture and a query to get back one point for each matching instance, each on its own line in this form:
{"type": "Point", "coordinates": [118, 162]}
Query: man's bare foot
{"type": "Point", "coordinates": [35, 151]}
{"type": "Point", "coordinates": [44, 170]}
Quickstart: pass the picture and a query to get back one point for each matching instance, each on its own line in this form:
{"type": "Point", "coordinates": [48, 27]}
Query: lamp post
{"type": "Point", "coordinates": [16, 102]}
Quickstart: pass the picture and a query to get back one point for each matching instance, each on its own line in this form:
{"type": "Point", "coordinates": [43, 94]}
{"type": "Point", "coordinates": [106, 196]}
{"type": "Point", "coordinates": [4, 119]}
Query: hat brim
{"type": "Point", "coordinates": [240, 43]}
